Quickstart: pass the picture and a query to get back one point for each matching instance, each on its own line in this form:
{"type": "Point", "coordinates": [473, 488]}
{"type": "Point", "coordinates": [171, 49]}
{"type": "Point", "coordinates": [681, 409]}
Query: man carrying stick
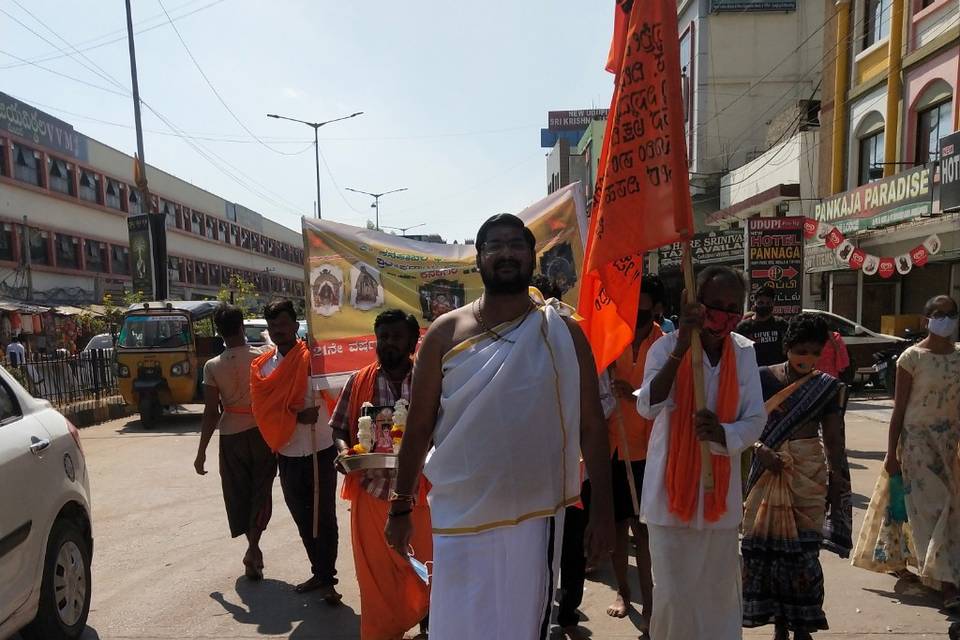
{"type": "Point", "coordinates": [693, 530]}
{"type": "Point", "coordinates": [285, 409]}
{"type": "Point", "coordinates": [629, 434]}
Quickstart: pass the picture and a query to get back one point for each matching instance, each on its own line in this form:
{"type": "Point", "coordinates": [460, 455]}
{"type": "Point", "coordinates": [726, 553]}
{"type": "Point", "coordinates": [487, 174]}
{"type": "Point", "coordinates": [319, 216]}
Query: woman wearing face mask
{"type": "Point", "coordinates": [794, 477]}
{"type": "Point", "coordinates": [922, 453]}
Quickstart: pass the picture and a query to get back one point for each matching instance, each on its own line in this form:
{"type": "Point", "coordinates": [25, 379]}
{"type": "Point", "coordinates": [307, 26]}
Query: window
{"type": "Point", "coordinates": [9, 408]}
{"type": "Point", "coordinates": [68, 251]}
{"type": "Point", "coordinates": [3, 157]}
{"type": "Point", "coordinates": [926, 3]}
{"type": "Point", "coordinates": [7, 241]}
{"type": "Point", "coordinates": [188, 271]}
{"type": "Point", "coordinates": [876, 22]}
{"type": "Point", "coordinates": [174, 266]}
{"type": "Point", "coordinates": [196, 223]}
{"type": "Point", "coordinates": [255, 241]}
{"type": "Point", "coordinates": [245, 239]}
{"type": "Point", "coordinates": [95, 255]}
{"type": "Point", "coordinates": [119, 260]}
{"type": "Point", "coordinates": [235, 235]}
{"type": "Point", "coordinates": [222, 231]}
{"type": "Point", "coordinates": [211, 228]}
{"type": "Point", "coordinates": [871, 158]}
{"type": "Point", "coordinates": [113, 191]}
{"type": "Point", "coordinates": [135, 202]}
{"type": "Point", "coordinates": [39, 246]}
{"type": "Point", "coordinates": [169, 210]}
{"type": "Point", "coordinates": [214, 272]}
{"type": "Point", "coordinates": [26, 164]}
{"type": "Point", "coordinates": [202, 277]}
{"type": "Point", "coordinates": [932, 124]}
{"type": "Point", "coordinates": [60, 176]}
{"type": "Point", "coordinates": [90, 186]}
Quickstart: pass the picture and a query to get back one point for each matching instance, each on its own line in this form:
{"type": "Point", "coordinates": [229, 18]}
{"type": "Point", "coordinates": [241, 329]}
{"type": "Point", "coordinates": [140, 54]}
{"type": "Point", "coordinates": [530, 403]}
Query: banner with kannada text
{"type": "Point", "coordinates": [353, 274]}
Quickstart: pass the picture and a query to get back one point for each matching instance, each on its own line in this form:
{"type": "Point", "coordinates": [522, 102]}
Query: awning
{"type": "Point", "coordinates": [753, 204]}
{"type": "Point", "coordinates": [10, 304]}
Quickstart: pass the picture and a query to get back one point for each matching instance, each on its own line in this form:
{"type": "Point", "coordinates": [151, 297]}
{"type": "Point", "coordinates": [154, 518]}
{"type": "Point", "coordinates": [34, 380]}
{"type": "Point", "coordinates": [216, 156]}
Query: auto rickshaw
{"type": "Point", "coordinates": [160, 355]}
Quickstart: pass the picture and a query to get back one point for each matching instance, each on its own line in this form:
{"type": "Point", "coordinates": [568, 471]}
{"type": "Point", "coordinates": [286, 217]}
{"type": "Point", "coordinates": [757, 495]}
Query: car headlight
{"type": "Point", "coordinates": [123, 371]}
{"type": "Point", "coordinates": [180, 369]}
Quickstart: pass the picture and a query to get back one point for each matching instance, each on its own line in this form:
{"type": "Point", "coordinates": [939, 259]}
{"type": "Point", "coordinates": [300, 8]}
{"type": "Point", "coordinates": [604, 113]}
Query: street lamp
{"type": "Point", "coordinates": [403, 230]}
{"type": "Point", "coordinates": [316, 142]}
{"type": "Point", "coordinates": [376, 200]}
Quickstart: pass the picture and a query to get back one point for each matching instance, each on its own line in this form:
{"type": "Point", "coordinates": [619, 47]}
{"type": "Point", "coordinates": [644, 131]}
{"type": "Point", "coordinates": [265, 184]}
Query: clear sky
{"type": "Point", "coordinates": [454, 95]}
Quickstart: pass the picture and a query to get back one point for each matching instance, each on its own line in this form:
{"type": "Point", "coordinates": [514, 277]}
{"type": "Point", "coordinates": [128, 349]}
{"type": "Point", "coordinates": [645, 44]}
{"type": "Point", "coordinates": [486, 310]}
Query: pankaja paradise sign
{"type": "Point", "coordinates": [879, 204]}
{"type": "Point", "coordinates": [354, 274]}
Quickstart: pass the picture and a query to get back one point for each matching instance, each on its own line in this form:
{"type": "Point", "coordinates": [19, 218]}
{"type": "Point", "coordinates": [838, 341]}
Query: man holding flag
{"type": "Point", "coordinates": [641, 202]}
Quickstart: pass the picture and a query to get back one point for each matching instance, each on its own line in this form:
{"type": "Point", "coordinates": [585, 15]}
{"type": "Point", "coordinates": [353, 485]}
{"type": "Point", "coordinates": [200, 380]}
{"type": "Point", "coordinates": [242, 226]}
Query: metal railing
{"type": "Point", "coordinates": [65, 379]}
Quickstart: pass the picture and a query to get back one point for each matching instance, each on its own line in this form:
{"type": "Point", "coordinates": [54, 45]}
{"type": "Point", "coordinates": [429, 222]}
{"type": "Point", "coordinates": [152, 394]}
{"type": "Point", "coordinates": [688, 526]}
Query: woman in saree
{"type": "Point", "coordinates": [798, 489]}
{"type": "Point", "coordinates": [914, 514]}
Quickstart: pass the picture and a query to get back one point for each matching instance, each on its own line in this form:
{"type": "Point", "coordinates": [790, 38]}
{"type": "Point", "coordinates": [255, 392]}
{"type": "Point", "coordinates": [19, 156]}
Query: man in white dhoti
{"type": "Point", "coordinates": [506, 390]}
{"type": "Point", "coordinates": [693, 533]}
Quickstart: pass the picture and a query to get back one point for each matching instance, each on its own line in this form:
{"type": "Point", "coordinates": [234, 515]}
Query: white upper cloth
{"type": "Point", "coordinates": [16, 349]}
{"type": "Point", "coordinates": [741, 434]}
{"type": "Point", "coordinates": [507, 440]}
{"type": "Point", "coordinates": [302, 442]}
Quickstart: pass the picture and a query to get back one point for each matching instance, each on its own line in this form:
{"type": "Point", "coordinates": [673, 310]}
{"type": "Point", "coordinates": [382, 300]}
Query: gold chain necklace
{"type": "Point", "coordinates": [478, 314]}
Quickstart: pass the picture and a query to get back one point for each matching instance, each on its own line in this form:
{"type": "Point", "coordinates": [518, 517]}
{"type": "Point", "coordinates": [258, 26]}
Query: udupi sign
{"type": "Point", "coordinates": [885, 202]}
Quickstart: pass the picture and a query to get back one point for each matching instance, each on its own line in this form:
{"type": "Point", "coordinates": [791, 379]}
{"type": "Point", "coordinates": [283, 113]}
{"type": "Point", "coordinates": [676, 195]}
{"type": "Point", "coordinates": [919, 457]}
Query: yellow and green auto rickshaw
{"type": "Point", "coordinates": [160, 352]}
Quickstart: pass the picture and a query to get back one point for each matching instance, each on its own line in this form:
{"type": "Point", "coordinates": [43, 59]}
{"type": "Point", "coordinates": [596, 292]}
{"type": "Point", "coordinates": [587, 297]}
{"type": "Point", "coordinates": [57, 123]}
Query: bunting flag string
{"type": "Point", "coordinates": [856, 258]}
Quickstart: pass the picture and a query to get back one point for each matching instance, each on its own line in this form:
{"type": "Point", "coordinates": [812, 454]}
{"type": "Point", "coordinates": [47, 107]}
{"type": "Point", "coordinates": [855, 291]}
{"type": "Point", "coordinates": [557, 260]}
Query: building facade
{"type": "Point", "coordinates": [890, 96]}
{"type": "Point", "coordinates": [64, 202]}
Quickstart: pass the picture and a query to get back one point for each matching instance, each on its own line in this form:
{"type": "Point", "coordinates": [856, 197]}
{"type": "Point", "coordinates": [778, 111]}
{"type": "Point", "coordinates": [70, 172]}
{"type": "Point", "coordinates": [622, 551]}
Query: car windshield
{"type": "Point", "coordinates": [255, 335]}
{"type": "Point", "coordinates": [99, 342]}
{"type": "Point", "coordinates": [155, 331]}
{"type": "Point", "coordinates": [844, 327]}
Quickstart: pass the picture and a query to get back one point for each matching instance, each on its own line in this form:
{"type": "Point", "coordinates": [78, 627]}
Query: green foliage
{"type": "Point", "coordinates": [114, 309]}
{"type": "Point", "coordinates": [241, 293]}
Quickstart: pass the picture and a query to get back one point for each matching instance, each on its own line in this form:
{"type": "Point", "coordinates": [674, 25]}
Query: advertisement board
{"type": "Point", "coordinates": [950, 172]}
{"type": "Point", "coordinates": [775, 260]}
{"type": "Point", "coordinates": [885, 202]}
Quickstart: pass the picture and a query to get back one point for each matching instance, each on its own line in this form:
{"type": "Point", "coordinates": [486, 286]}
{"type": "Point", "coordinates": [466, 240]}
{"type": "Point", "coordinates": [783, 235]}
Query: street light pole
{"type": "Point", "coordinates": [316, 142]}
{"type": "Point", "coordinates": [403, 230]}
{"type": "Point", "coordinates": [376, 200]}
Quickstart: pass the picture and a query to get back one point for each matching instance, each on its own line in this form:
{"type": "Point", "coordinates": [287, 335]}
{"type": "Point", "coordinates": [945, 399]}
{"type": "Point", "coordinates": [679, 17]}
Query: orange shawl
{"type": "Point", "coordinates": [276, 399]}
{"type": "Point", "coordinates": [683, 457]}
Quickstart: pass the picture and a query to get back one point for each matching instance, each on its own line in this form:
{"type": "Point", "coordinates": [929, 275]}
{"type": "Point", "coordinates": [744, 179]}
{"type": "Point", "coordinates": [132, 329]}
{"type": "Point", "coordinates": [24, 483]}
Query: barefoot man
{"type": "Point", "coordinates": [629, 434]}
{"type": "Point", "coordinates": [296, 428]}
{"type": "Point", "coordinates": [506, 390]}
{"type": "Point", "coordinates": [247, 466]}
{"type": "Point", "coordinates": [693, 533]}
{"type": "Point", "coordinates": [393, 599]}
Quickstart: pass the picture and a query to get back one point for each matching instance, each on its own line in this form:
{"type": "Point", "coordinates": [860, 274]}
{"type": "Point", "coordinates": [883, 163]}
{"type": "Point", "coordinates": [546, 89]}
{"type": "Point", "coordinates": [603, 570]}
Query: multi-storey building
{"type": "Point", "coordinates": [64, 202]}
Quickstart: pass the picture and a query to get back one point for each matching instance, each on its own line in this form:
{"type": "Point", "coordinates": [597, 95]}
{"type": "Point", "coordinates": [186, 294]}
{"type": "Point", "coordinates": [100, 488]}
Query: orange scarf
{"type": "Point", "coordinates": [683, 457]}
{"type": "Point", "coordinates": [276, 399]}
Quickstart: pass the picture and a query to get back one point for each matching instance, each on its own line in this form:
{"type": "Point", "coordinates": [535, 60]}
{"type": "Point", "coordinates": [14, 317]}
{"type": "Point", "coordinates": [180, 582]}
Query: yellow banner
{"type": "Point", "coordinates": [353, 274]}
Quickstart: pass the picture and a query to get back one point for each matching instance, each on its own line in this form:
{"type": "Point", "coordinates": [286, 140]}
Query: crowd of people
{"type": "Point", "coordinates": [521, 467]}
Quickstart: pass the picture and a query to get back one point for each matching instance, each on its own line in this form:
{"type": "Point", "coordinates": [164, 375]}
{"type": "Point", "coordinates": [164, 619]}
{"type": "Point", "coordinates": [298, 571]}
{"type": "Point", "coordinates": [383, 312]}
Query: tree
{"type": "Point", "coordinates": [241, 293]}
{"type": "Point", "coordinates": [113, 313]}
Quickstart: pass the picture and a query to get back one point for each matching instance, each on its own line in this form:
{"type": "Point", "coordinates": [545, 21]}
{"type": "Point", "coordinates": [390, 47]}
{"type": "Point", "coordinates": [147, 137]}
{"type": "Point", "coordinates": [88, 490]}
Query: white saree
{"type": "Point", "coordinates": [505, 463]}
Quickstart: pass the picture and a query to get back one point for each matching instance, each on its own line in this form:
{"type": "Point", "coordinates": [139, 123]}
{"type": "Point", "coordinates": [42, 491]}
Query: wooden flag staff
{"type": "Point", "coordinates": [696, 355]}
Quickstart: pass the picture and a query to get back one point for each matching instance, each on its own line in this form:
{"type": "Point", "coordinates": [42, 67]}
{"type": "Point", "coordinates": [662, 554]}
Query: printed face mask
{"type": "Point", "coordinates": [802, 364]}
{"type": "Point", "coordinates": [943, 326]}
{"type": "Point", "coordinates": [720, 322]}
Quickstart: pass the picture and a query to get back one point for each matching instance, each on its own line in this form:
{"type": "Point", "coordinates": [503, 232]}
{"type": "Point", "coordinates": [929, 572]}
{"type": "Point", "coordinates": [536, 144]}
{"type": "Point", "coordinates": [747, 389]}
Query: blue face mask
{"type": "Point", "coordinates": [943, 326]}
{"type": "Point", "coordinates": [422, 571]}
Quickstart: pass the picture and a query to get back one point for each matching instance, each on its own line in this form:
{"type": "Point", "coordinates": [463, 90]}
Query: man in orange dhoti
{"type": "Point", "coordinates": [393, 598]}
{"type": "Point", "coordinates": [295, 428]}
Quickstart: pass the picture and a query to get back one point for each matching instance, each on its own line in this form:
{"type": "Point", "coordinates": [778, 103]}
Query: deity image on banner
{"type": "Point", "coordinates": [439, 297]}
{"type": "Point", "coordinates": [558, 265]}
{"type": "Point", "coordinates": [326, 287]}
{"type": "Point", "coordinates": [367, 291]}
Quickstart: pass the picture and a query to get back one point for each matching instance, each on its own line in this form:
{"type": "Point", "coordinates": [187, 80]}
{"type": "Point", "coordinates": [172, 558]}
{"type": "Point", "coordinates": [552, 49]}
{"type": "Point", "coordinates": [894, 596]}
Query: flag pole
{"type": "Point", "coordinates": [696, 355]}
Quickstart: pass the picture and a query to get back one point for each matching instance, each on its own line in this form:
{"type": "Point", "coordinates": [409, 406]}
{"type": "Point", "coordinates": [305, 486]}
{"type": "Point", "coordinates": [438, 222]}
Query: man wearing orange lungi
{"type": "Point", "coordinates": [629, 434]}
{"type": "Point", "coordinates": [393, 598]}
{"type": "Point", "coordinates": [286, 411]}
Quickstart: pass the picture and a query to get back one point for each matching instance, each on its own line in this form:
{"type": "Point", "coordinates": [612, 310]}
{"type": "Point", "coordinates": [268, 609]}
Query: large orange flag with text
{"type": "Point", "coordinates": [642, 195]}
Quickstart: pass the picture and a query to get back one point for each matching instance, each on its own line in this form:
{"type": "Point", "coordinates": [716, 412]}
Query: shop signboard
{"type": "Point", "coordinates": [41, 128]}
{"type": "Point", "coordinates": [820, 258]}
{"type": "Point", "coordinates": [740, 6]}
{"type": "Point", "coordinates": [574, 120]}
{"type": "Point", "coordinates": [950, 172]}
{"type": "Point", "coordinates": [708, 248]}
{"type": "Point", "coordinates": [886, 202]}
{"type": "Point", "coordinates": [775, 259]}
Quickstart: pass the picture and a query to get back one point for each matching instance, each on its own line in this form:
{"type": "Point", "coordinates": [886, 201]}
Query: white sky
{"type": "Point", "coordinates": [454, 95]}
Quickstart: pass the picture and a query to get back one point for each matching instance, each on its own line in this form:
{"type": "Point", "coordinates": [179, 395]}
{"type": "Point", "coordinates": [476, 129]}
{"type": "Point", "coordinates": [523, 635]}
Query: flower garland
{"type": "Point", "coordinates": [857, 258]}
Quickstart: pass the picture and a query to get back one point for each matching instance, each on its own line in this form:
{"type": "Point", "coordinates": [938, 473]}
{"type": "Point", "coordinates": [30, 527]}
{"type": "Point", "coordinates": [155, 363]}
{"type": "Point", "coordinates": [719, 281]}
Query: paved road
{"type": "Point", "coordinates": [165, 567]}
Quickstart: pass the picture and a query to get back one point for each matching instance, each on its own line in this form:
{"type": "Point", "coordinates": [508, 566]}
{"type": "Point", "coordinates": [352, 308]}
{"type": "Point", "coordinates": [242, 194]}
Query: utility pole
{"type": "Point", "coordinates": [158, 231]}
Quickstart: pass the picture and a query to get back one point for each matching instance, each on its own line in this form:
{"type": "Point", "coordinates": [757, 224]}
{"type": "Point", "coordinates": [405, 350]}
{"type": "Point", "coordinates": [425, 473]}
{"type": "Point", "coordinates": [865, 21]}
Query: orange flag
{"type": "Point", "coordinates": [642, 195]}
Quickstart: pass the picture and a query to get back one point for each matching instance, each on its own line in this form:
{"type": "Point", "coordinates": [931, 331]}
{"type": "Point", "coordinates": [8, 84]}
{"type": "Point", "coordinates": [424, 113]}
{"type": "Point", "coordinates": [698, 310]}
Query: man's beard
{"type": "Point", "coordinates": [391, 359]}
{"type": "Point", "coordinates": [494, 284]}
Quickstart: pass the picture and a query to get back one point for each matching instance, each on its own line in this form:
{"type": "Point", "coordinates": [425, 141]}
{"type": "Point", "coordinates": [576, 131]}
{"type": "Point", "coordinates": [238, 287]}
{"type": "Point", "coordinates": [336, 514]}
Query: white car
{"type": "Point", "coordinates": [256, 332]}
{"type": "Point", "coordinates": [46, 537]}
